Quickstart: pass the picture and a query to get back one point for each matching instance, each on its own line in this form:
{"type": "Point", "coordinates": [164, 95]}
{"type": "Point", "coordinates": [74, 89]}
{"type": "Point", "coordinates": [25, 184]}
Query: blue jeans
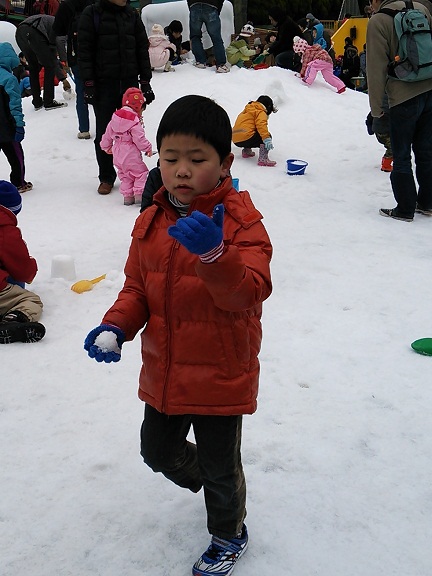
{"type": "Point", "coordinates": [411, 127]}
{"type": "Point", "coordinates": [200, 14]}
{"type": "Point", "coordinates": [81, 107]}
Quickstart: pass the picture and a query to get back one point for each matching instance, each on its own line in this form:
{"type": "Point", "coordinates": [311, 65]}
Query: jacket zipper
{"type": "Point", "coordinates": [174, 249]}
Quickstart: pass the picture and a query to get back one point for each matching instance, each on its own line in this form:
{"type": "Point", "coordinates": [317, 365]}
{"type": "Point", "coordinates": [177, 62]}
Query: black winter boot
{"type": "Point", "coordinates": [16, 327]}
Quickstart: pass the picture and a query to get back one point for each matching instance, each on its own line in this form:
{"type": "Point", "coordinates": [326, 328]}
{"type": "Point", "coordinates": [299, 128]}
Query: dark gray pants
{"type": "Point", "coordinates": [214, 462]}
{"type": "Point", "coordinates": [39, 54]}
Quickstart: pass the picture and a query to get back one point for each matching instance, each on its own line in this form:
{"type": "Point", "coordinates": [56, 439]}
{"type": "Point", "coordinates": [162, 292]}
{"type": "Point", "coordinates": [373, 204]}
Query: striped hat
{"type": "Point", "coordinates": [10, 197]}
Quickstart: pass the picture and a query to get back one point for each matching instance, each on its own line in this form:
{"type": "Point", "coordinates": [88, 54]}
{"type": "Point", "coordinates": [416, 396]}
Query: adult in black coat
{"type": "Point", "coordinates": [282, 48]}
{"type": "Point", "coordinates": [112, 56]}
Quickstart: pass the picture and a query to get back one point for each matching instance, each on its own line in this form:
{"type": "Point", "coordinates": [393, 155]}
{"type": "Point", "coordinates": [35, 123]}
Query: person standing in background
{"type": "Point", "coordinates": [112, 56]}
{"type": "Point", "coordinates": [207, 13]}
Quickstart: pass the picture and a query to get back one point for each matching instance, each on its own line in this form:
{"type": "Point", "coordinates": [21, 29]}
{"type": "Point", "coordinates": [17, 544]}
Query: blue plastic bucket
{"type": "Point", "coordinates": [296, 167]}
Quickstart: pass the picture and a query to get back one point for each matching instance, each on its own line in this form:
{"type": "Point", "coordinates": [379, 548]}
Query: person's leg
{"type": "Point", "coordinates": [15, 155]}
{"type": "Point", "coordinates": [311, 72]}
{"type": "Point", "coordinates": [288, 61]}
{"type": "Point", "coordinates": [22, 38]}
{"type": "Point", "coordinates": [195, 33]}
{"type": "Point", "coordinates": [165, 449]}
{"type": "Point", "coordinates": [327, 72]}
{"type": "Point", "coordinates": [218, 441]}
{"type": "Point", "coordinates": [81, 107]}
{"type": "Point", "coordinates": [213, 24]}
{"type": "Point", "coordinates": [422, 148]}
{"type": "Point", "coordinates": [107, 101]}
{"type": "Point", "coordinates": [46, 56]}
{"type": "Point", "coordinates": [403, 123]}
{"type": "Point", "coordinates": [15, 298]}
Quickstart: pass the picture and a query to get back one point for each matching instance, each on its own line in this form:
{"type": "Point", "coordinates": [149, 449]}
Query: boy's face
{"type": "Point", "coordinates": [190, 167]}
{"type": "Point", "coordinates": [176, 34]}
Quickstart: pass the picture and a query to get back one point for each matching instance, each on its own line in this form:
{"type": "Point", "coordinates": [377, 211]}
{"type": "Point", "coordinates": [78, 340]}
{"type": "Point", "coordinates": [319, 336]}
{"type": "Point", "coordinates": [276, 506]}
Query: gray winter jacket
{"type": "Point", "coordinates": [381, 41]}
{"type": "Point", "coordinates": [43, 23]}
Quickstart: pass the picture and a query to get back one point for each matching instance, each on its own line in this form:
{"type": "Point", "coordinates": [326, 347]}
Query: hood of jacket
{"type": "Point", "coordinates": [320, 31]}
{"type": "Point", "coordinates": [123, 120]}
{"type": "Point", "coordinates": [8, 57]}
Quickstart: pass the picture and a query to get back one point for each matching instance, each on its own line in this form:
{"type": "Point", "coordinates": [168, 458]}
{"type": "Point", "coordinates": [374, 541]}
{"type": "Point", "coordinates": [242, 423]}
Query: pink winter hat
{"type": "Point", "coordinates": [299, 45]}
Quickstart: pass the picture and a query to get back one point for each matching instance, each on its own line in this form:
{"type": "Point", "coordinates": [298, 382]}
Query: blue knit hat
{"type": "Point", "coordinates": [10, 197]}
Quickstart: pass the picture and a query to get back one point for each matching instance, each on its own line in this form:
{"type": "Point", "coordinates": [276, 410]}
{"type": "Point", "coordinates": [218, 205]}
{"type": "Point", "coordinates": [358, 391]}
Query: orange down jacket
{"type": "Point", "coordinates": [202, 322]}
{"type": "Point", "coordinates": [254, 118]}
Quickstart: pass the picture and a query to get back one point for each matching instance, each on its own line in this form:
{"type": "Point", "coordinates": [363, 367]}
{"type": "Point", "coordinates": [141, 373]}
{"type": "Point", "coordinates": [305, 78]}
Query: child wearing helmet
{"type": "Point", "coordinates": [125, 139]}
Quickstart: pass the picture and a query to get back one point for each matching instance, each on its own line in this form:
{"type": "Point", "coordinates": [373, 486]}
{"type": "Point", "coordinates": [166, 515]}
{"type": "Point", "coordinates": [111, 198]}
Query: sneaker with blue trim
{"type": "Point", "coordinates": [221, 556]}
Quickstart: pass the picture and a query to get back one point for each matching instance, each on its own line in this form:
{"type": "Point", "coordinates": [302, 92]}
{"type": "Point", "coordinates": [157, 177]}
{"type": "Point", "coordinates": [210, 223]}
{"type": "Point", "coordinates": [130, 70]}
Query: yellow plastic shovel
{"type": "Point", "coordinates": [86, 285]}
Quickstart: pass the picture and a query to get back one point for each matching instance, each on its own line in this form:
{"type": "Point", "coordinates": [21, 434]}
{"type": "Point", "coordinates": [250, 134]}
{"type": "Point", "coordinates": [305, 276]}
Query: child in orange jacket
{"type": "Point", "coordinates": [197, 273]}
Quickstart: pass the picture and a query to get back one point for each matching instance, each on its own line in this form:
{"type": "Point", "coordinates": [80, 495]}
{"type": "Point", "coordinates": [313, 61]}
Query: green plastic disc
{"type": "Point", "coordinates": [423, 346]}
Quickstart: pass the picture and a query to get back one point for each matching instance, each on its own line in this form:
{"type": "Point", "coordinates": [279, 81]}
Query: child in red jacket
{"type": "Point", "coordinates": [315, 59]}
{"type": "Point", "coordinates": [196, 276]}
{"type": "Point", "coordinates": [20, 309]}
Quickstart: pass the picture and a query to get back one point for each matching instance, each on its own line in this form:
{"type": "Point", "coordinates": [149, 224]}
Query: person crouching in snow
{"type": "Point", "coordinates": [125, 139]}
{"type": "Point", "coordinates": [251, 130]}
{"type": "Point", "coordinates": [161, 51]}
{"type": "Point", "coordinates": [20, 309]}
{"type": "Point", "coordinates": [315, 59]}
{"type": "Point", "coordinates": [238, 52]}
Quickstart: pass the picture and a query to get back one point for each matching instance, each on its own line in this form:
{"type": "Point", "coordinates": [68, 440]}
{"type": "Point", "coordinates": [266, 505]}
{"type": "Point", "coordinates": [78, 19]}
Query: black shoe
{"type": "Point", "coordinates": [425, 211]}
{"type": "Point", "coordinates": [38, 106]}
{"type": "Point", "coordinates": [16, 327]}
{"type": "Point", "coordinates": [54, 105]}
{"type": "Point", "coordinates": [391, 213]}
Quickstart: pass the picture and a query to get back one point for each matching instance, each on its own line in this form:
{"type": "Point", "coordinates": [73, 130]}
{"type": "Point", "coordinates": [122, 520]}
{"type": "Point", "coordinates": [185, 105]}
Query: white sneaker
{"type": "Point", "coordinates": [222, 69]}
{"type": "Point", "coordinates": [221, 556]}
{"type": "Point", "coordinates": [199, 65]}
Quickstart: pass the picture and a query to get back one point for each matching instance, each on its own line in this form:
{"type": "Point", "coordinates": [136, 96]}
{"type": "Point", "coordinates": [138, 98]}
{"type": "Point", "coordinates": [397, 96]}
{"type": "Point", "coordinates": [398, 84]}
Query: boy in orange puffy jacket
{"type": "Point", "coordinates": [196, 276]}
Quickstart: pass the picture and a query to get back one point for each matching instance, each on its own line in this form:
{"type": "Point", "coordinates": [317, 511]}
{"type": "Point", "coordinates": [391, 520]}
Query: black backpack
{"type": "Point", "coordinates": [7, 121]}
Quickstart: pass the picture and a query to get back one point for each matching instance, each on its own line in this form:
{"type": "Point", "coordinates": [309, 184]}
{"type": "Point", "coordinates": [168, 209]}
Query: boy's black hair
{"type": "Point", "coordinates": [176, 26]}
{"type": "Point", "coordinates": [200, 117]}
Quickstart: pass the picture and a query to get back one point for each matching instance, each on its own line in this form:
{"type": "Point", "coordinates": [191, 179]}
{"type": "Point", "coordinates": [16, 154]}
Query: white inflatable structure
{"type": "Point", "coordinates": [7, 34]}
{"type": "Point", "coordinates": [163, 14]}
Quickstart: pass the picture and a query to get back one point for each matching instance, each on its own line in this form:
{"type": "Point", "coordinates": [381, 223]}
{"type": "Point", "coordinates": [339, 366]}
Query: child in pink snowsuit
{"type": "Point", "coordinates": [161, 51]}
{"type": "Point", "coordinates": [315, 59]}
{"type": "Point", "coordinates": [125, 139]}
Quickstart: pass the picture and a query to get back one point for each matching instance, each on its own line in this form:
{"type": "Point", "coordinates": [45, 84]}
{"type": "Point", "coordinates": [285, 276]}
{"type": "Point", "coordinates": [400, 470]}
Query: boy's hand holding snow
{"type": "Point", "coordinates": [104, 343]}
{"type": "Point", "coordinates": [200, 234]}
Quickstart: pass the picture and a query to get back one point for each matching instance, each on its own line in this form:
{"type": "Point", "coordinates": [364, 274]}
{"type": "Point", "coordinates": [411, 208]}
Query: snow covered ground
{"type": "Point", "coordinates": [338, 455]}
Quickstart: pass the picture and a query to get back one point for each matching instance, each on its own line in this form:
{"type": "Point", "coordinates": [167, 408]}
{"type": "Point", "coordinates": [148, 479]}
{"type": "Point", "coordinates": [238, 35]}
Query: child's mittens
{"type": "Point", "coordinates": [268, 143]}
{"type": "Point", "coordinates": [200, 234]}
{"type": "Point", "coordinates": [104, 343]}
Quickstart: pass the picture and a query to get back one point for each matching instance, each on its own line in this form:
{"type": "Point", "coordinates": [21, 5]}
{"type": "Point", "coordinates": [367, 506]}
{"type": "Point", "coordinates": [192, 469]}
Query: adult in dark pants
{"type": "Point", "coordinates": [38, 42]}
{"type": "Point", "coordinates": [112, 56]}
{"type": "Point", "coordinates": [66, 24]}
{"type": "Point", "coordinates": [410, 106]}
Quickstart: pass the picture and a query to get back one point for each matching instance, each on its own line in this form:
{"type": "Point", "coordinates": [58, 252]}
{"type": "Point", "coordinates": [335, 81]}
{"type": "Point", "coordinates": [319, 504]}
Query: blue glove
{"type": "Point", "coordinates": [111, 353]}
{"type": "Point", "coordinates": [199, 233]}
{"type": "Point", "coordinates": [19, 134]}
{"type": "Point", "coordinates": [268, 144]}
